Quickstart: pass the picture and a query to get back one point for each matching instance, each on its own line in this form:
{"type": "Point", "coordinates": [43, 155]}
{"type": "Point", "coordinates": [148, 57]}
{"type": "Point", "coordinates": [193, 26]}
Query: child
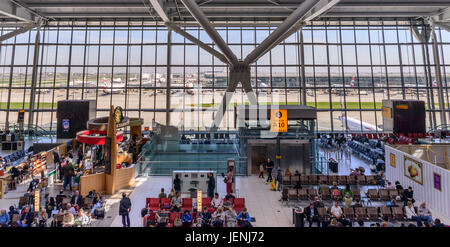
{"type": "Point", "coordinates": [261, 170]}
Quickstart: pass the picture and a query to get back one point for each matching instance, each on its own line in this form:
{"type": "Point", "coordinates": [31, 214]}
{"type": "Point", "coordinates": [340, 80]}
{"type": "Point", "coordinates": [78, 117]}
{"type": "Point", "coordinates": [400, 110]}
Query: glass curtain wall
{"type": "Point", "coordinates": [350, 67]}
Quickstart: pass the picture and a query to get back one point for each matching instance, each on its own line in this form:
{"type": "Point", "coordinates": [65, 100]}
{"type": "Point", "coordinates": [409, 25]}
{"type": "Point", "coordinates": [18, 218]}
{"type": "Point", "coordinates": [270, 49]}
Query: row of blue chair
{"type": "Point", "coordinates": [15, 156]}
{"type": "Point", "coordinates": [364, 151]}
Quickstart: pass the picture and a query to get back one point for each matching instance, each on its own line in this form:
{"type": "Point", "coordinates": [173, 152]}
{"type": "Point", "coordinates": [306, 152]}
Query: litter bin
{"type": "Point", "coordinates": [298, 216]}
{"type": "Point", "coordinates": [333, 166]}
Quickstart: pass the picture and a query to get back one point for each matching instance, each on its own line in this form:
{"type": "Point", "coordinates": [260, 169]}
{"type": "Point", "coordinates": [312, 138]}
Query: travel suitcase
{"type": "Point", "coordinates": [99, 213]}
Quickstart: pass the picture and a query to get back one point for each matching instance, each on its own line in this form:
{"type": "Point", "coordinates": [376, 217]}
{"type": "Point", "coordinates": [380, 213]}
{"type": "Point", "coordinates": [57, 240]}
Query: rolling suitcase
{"type": "Point", "coordinates": [99, 213]}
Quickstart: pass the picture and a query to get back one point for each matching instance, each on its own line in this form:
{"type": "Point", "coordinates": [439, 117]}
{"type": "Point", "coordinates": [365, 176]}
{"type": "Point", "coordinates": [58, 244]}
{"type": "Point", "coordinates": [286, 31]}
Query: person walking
{"type": "Point", "coordinates": [68, 173]}
{"type": "Point", "coordinates": [229, 180]}
{"type": "Point", "coordinates": [124, 210]}
{"type": "Point", "coordinates": [269, 167]}
{"type": "Point", "coordinates": [57, 162]}
{"type": "Point", "coordinates": [261, 170]}
{"type": "Point", "coordinates": [177, 183]}
{"type": "Point", "coordinates": [211, 185]}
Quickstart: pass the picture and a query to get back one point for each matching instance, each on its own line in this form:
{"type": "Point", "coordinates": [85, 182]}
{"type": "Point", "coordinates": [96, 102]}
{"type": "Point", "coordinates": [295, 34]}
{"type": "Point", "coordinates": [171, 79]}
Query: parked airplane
{"type": "Point", "coordinates": [349, 89]}
{"type": "Point", "coordinates": [357, 125]}
{"type": "Point", "coordinates": [117, 86]}
{"type": "Point", "coordinates": [90, 86]}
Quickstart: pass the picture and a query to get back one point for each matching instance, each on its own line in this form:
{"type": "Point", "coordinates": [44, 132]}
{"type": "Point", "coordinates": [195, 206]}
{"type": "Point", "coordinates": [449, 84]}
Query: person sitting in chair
{"type": "Point", "coordinates": [244, 218]}
{"type": "Point", "coordinates": [216, 201]}
{"type": "Point", "coordinates": [176, 203]}
{"type": "Point", "coordinates": [312, 215]}
{"type": "Point", "coordinates": [186, 218]}
{"type": "Point", "coordinates": [205, 216]}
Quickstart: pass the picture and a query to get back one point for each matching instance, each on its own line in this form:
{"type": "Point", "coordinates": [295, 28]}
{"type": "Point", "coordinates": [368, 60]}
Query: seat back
{"type": "Point", "coordinates": [294, 179]}
{"type": "Point", "coordinates": [361, 179]}
{"type": "Point", "coordinates": [286, 180]}
{"type": "Point", "coordinates": [349, 213]}
{"type": "Point", "coordinates": [239, 204]}
{"type": "Point", "coordinates": [323, 179]}
{"type": "Point", "coordinates": [398, 213]}
{"type": "Point", "coordinates": [313, 179]}
{"type": "Point", "coordinates": [386, 212]}
{"type": "Point", "coordinates": [153, 203]}
{"type": "Point", "coordinates": [293, 194]}
{"type": "Point", "coordinates": [206, 201]}
{"type": "Point", "coordinates": [303, 194]}
{"type": "Point", "coordinates": [332, 178]}
{"type": "Point", "coordinates": [373, 194]}
{"type": "Point", "coordinates": [357, 194]}
{"type": "Point", "coordinates": [352, 180]}
{"type": "Point", "coordinates": [372, 213]}
{"type": "Point", "coordinates": [371, 180]}
{"type": "Point", "coordinates": [384, 194]}
{"type": "Point", "coordinates": [312, 193]}
{"type": "Point", "coordinates": [393, 194]}
{"type": "Point", "coordinates": [361, 213]}
{"type": "Point", "coordinates": [187, 203]}
{"type": "Point", "coordinates": [342, 180]}
{"type": "Point", "coordinates": [304, 179]}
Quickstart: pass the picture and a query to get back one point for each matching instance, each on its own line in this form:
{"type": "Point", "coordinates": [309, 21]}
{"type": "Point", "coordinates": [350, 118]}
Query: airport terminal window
{"type": "Point", "coordinates": [350, 66]}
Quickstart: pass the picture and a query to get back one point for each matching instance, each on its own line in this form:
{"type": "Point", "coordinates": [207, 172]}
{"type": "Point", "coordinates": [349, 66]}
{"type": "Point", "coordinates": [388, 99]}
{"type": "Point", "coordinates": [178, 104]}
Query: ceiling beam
{"type": "Point", "coordinates": [198, 14]}
{"type": "Point", "coordinates": [196, 41]}
{"type": "Point", "coordinates": [157, 5]}
{"type": "Point", "coordinates": [443, 15]}
{"type": "Point", "coordinates": [10, 9]}
{"type": "Point", "coordinates": [319, 9]}
{"type": "Point", "coordinates": [20, 30]}
{"type": "Point", "coordinates": [291, 21]}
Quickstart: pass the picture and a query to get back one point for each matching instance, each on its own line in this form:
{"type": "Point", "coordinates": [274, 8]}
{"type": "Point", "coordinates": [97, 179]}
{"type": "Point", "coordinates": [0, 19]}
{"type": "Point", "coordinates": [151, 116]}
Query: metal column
{"type": "Point", "coordinates": [168, 72]}
{"type": "Point", "coordinates": [34, 78]}
{"type": "Point", "coordinates": [438, 78]}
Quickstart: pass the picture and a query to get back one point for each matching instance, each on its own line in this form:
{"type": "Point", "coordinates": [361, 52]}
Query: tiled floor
{"type": "Point", "coordinates": [263, 204]}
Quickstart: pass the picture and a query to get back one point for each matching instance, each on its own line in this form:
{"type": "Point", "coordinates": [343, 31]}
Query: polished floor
{"type": "Point", "coordinates": [263, 204]}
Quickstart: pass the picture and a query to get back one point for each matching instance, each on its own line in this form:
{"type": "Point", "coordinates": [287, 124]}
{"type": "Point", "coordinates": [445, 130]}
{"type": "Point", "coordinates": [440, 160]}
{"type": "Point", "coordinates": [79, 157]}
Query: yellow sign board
{"type": "Point", "coordinates": [278, 120]}
{"type": "Point", "coordinates": [199, 200]}
{"type": "Point", "coordinates": [36, 200]}
{"type": "Point", "coordinates": [402, 106]}
{"type": "Point", "coordinates": [386, 112]}
{"type": "Point", "coordinates": [392, 160]}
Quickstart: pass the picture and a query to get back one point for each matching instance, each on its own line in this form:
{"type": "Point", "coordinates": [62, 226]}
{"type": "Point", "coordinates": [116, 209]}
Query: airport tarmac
{"type": "Point", "coordinates": [195, 111]}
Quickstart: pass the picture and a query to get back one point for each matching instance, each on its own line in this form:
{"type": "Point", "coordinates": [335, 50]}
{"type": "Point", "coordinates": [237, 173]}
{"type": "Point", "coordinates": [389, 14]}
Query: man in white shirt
{"type": "Point", "coordinates": [216, 201]}
{"type": "Point", "coordinates": [336, 212]}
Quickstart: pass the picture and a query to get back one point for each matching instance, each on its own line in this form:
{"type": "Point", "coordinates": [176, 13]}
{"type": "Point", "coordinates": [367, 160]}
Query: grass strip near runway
{"type": "Point", "coordinates": [20, 105]}
{"type": "Point", "coordinates": [319, 105]}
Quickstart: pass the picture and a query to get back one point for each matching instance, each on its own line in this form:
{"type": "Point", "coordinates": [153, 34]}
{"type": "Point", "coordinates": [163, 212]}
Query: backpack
{"type": "Point", "coordinates": [336, 193]}
{"type": "Point", "coordinates": [144, 211]}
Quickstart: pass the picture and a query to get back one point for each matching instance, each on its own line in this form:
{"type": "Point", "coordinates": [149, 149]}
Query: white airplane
{"type": "Point", "coordinates": [87, 84]}
{"type": "Point", "coordinates": [189, 87]}
{"type": "Point", "coordinates": [117, 86]}
{"type": "Point", "coordinates": [421, 88]}
{"type": "Point", "coordinates": [357, 125]}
